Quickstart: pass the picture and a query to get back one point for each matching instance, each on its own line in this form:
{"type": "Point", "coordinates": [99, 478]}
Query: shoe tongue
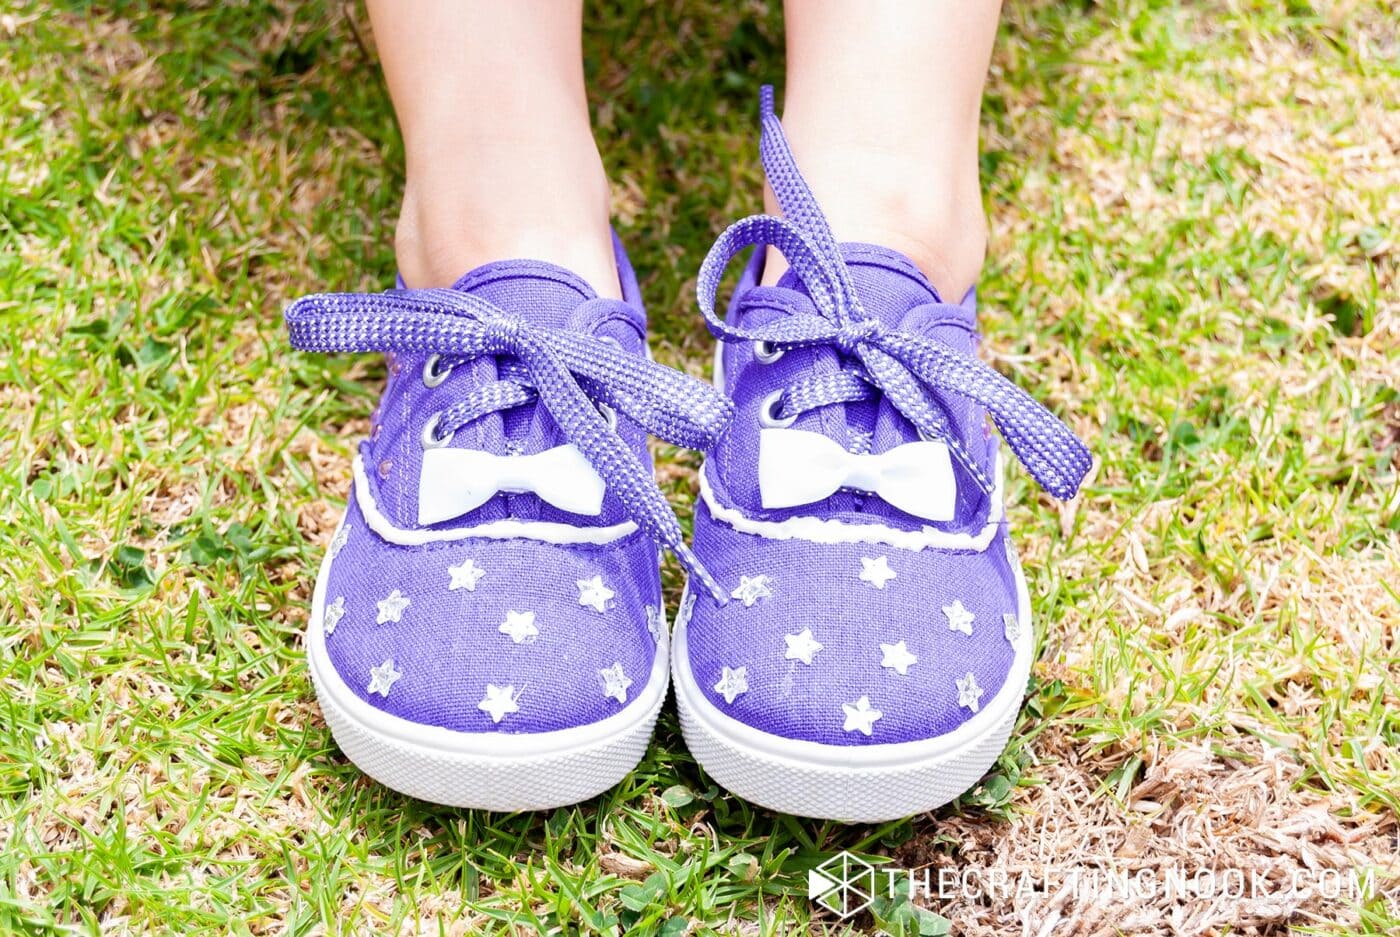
{"type": "Point", "coordinates": [887, 282]}
{"type": "Point", "coordinates": [539, 292]}
{"type": "Point", "coordinates": [895, 291]}
{"type": "Point", "coordinates": [544, 295]}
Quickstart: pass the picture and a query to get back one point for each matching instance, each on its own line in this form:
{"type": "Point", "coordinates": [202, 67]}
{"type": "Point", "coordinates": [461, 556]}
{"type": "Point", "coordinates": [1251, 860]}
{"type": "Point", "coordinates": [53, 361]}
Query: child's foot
{"type": "Point", "coordinates": [871, 660]}
{"type": "Point", "coordinates": [487, 628]}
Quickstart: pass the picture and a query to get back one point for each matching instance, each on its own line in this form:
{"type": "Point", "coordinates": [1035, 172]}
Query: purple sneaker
{"type": "Point", "coordinates": [487, 628]}
{"type": "Point", "coordinates": [873, 652]}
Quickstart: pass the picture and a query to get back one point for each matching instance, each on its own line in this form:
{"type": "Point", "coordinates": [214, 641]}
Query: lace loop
{"type": "Point", "coordinates": [908, 370]}
{"type": "Point", "coordinates": [571, 374]}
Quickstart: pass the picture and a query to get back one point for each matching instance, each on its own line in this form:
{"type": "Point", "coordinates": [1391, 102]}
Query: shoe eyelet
{"type": "Point", "coordinates": [430, 438]}
{"type": "Point", "coordinates": [768, 412]}
{"type": "Point", "coordinates": [609, 414]}
{"type": "Point", "coordinates": [765, 353]}
{"type": "Point", "coordinates": [433, 375]}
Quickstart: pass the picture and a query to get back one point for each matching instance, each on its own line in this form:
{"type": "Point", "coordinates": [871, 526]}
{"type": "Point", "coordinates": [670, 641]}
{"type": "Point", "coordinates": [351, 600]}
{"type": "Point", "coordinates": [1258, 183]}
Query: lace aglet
{"type": "Point", "coordinates": [766, 107]}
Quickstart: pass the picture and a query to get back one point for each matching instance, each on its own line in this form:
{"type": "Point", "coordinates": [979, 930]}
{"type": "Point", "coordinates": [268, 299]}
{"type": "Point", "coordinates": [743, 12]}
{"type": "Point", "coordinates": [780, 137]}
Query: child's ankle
{"type": "Point", "coordinates": [447, 229]}
{"type": "Point", "coordinates": [907, 205]}
{"type": "Point", "coordinates": [950, 253]}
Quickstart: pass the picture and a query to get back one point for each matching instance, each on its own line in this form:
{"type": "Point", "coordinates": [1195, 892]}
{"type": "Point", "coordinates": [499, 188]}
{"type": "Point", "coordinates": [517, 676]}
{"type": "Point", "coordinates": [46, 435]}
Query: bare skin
{"type": "Point", "coordinates": [881, 107]}
{"type": "Point", "coordinates": [500, 154]}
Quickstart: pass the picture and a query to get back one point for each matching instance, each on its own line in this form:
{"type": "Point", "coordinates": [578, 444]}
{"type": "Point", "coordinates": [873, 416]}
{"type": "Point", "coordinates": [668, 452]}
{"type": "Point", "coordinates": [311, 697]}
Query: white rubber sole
{"type": "Point", "coordinates": [483, 771]}
{"type": "Point", "coordinates": [851, 783]}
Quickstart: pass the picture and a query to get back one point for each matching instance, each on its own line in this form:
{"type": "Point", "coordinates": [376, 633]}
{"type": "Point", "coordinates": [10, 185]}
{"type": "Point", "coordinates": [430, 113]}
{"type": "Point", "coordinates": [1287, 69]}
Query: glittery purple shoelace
{"type": "Point", "coordinates": [570, 373]}
{"type": "Point", "coordinates": [911, 371]}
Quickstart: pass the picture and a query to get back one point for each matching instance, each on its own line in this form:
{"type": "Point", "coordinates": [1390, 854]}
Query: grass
{"type": "Point", "coordinates": [1194, 260]}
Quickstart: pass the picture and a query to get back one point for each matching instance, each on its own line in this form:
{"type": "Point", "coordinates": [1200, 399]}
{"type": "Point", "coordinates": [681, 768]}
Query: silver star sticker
{"type": "Point", "coordinates": [898, 658]}
{"type": "Point", "coordinates": [391, 609]}
{"type": "Point", "coordinates": [333, 614]}
{"type": "Point", "coordinates": [802, 646]}
{"type": "Point", "coordinates": [594, 594]}
{"type": "Point", "coordinates": [381, 678]}
{"type": "Point", "coordinates": [1012, 626]}
{"type": "Point", "coordinates": [876, 571]}
{"type": "Point", "coordinates": [959, 618]}
{"type": "Point", "coordinates": [342, 537]}
{"type": "Point", "coordinates": [732, 682]}
{"type": "Point", "coordinates": [656, 623]}
{"type": "Point", "coordinates": [465, 575]}
{"type": "Point", "coordinates": [615, 682]}
{"type": "Point", "coordinates": [687, 607]}
{"type": "Point", "coordinates": [500, 702]}
{"type": "Point", "coordinates": [969, 693]}
{"type": "Point", "coordinates": [860, 716]}
{"type": "Point", "coordinates": [519, 627]}
{"type": "Point", "coordinates": [753, 588]}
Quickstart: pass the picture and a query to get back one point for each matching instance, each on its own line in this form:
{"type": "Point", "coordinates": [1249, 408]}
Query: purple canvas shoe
{"type": "Point", "coordinates": [870, 660]}
{"type": "Point", "coordinates": [487, 628]}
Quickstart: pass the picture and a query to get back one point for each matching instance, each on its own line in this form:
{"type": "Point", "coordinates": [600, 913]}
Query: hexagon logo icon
{"type": "Point", "coordinates": [843, 884]}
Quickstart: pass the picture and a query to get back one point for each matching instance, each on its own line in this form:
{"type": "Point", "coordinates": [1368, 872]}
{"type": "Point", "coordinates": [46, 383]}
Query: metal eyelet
{"type": "Point", "coordinates": [768, 412]}
{"type": "Point", "coordinates": [765, 353]}
{"type": "Point", "coordinates": [430, 438]}
{"type": "Point", "coordinates": [432, 374]}
{"type": "Point", "coordinates": [609, 414]}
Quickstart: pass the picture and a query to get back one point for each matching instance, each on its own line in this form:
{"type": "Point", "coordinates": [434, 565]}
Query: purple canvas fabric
{"type": "Point", "coordinates": [894, 289]}
{"type": "Point", "coordinates": [554, 297]}
{"type": "Point", "coordinates": [817, 587]}
{"type": "Point", "coordinates": [855, 344]}
{"type": "Point", "coordinates": [515, 359]}
{"type": "Point", "coordinates": [447, 643]}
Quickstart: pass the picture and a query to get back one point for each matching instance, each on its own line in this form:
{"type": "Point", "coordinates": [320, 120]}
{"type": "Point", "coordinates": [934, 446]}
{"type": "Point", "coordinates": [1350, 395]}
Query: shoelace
{"type": "Point", "coordinates": [907, 369]}
{"type": "Point", "coordinates": [575, 376]}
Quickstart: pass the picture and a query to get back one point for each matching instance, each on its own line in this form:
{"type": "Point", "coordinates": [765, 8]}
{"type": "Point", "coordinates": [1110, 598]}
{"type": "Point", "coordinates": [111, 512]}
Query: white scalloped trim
{"type": "Point", "coordinates": [542, 531]}
{"type": "Point", "coordinates": [831, 531]}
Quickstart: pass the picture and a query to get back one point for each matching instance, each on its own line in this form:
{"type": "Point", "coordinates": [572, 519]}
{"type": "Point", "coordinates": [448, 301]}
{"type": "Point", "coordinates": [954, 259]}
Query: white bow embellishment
{"type": "Point", "coordinates": [798, 467]}
{"type": "Point", "coordinates": [455, 481]}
